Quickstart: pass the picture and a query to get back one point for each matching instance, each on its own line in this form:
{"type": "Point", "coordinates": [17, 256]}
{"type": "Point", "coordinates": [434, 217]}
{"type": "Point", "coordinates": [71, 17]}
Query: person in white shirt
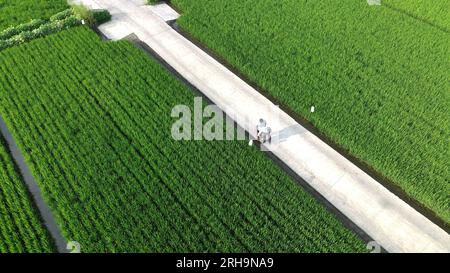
{"type": "Point", "coordinates": [263, 131]}
{"type": "Point", "coordinates": [261, 124]}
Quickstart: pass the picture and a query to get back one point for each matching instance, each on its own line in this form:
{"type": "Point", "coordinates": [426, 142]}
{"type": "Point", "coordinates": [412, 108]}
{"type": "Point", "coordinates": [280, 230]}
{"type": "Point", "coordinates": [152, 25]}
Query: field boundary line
{"type": "Point", "coordinates": [34, 189]}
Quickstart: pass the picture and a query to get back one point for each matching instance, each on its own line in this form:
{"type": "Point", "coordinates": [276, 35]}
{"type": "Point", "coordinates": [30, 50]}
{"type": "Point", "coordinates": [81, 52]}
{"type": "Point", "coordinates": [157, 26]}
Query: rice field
{"type": "Point", "coordinates": [93, 121]}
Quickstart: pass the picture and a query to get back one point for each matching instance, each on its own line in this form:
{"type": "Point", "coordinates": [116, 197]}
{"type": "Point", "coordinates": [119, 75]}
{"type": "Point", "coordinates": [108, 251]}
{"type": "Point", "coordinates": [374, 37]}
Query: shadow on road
{"type": "Point", "coordinates": [283, 135]}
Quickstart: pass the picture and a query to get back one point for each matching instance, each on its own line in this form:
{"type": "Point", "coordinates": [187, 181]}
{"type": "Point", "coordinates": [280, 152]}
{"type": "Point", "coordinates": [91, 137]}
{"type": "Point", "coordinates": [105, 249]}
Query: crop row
{"type": "Point", "coordinates": [21, 229]}
{"type": "Point", "coordinates": [94, 122]}
{"type": "Point", "coordinates": [14, 12]}
{"type": "Point", "coordinates": [36, 29]}
{"type": "Point", "coordinates": [378, 78]}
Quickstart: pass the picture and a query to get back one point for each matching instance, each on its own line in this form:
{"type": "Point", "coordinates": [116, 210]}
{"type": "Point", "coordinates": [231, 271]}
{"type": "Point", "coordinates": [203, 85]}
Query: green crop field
{"type": "Point", "coordinates": [378, 77]}
{"type": "Point", "coordinates": [21, 229]}
{"type": "Point", "coordinates": [93, 120]}
{"type": "Point", "coordinates": [14, 12]}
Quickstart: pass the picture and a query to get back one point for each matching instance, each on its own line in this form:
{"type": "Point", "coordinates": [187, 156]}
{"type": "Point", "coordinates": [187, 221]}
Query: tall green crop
{"type": "Point", "coordinates": [94, 120]}
{"type": "Point", "coordinates": [21, 229]}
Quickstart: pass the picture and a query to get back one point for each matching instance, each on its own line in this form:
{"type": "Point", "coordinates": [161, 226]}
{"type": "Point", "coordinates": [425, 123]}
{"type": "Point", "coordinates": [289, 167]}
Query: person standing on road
{"type": "Point", "coordinates": [263, 131]}
{"type": "Point", "coordinates": [261, 124]}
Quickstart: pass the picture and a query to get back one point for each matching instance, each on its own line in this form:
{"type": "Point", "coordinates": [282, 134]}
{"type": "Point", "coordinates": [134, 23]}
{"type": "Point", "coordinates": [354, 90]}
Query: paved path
{"type": "Point", "coordinates": [33, 188]}
{"type": "Point", "coordinates": [382, 215]}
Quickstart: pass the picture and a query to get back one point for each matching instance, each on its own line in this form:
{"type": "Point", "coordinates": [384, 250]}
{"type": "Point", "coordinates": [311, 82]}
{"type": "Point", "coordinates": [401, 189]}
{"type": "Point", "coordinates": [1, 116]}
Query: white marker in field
{"type": "Point", "coordinates": [250, 143]}
{"type": "Point", "coordinates": [82, 22]}
{"type": "Point", "coordinates": [313, 109]}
